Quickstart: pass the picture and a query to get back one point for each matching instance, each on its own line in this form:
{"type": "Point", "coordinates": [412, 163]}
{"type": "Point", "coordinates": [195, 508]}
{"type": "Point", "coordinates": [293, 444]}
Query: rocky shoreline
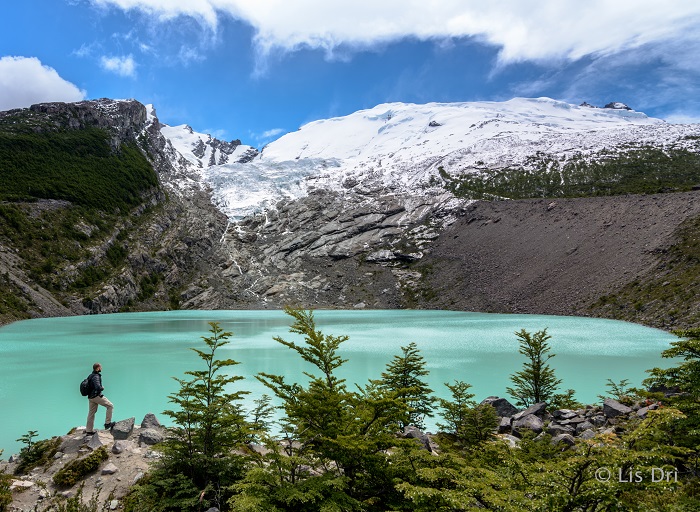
{"type": "Point", "coordinates": [131, 448]}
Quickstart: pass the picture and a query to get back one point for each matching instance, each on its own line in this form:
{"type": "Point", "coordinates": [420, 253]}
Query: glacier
{"type": "Point", "coordinates": [399, 147]}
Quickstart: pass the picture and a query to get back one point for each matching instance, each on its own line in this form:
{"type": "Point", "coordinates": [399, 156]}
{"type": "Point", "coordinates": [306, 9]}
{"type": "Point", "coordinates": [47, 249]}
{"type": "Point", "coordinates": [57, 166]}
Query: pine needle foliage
{"type": "Point", "coordinates": [403, 378]}
{"type": "Point", "coordinates": [536, 381]}
{"type": "Point", "coordinates": [467, 422]}
{"type": "Point", "coordinates": [334, 452]}
{"type": "Point", "coordinates": [209, 424]}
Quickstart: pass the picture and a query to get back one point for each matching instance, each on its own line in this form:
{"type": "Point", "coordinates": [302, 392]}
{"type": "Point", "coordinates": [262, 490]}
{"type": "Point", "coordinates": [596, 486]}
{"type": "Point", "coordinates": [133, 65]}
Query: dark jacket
{"type": "Point", "coordinates": [95, 381]}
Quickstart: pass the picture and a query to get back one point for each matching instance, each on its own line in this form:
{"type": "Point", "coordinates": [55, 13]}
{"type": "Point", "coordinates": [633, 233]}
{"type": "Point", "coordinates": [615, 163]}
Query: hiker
{"type": "Point", "coordinates": [95, 397]}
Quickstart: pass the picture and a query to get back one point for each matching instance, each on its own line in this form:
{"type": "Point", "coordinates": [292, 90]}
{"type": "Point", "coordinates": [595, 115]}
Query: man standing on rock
{"type": "Point", "coordinates": [95, 397]}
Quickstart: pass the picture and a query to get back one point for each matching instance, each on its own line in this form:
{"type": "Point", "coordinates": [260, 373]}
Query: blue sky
{"type": "Point", "coordinates": [253, 70]}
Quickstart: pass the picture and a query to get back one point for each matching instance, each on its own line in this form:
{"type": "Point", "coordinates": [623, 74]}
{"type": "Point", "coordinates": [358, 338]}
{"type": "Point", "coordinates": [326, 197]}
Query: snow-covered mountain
{"type": "Point", "coordinates": [399, 147]}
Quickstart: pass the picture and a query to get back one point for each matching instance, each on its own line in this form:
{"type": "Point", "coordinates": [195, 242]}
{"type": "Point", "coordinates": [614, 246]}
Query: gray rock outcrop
{"type": "Point", "coordinates": [150, 436]}
{"type": "Point", "coordinates": [613, 408]}
{"type": "Point", "coordinates": [503, 407]}
{"type": "Point", "coordinates": [122, 429]}
{"type": "Point", "coordinates": [150, 421]}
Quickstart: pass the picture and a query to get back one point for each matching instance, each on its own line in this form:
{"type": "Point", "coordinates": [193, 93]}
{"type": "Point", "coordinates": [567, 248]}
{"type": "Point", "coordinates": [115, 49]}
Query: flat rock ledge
{"type": "Point", "coordinates": [129, 448]}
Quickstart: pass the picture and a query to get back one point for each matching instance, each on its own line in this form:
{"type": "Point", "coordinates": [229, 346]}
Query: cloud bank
{"type": "Point", "coordinates": [122, 66]}
{"type": "Point", "coordinates": [523, 30]}
{"type": "Point", "coordinates": [25, 81]}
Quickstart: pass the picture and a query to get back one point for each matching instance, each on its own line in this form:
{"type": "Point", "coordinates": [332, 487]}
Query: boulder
{"type": "Point", "coordinates": [20, 484]}
{"type": "Point", "coordinates": [573, 421]}
{"type": "Point", "coordinates": [564, 414]}
{"type": "Point", "coordinates": [582, 427]}
{"type": "Point", "coordinates": [644, 411]}
{"type": "Point", "coordinates": [556, 429]}
{"type": "Point", "coordinates": [566, 439]}
{"type": "Point", "coordinates": [150, 421]}
{"type": "Point", "coordinates": [598, 420]}
{"type": "Point", "coordinates": [425, 440]}
{"type": "Point", "coordinates": [613, 408]}
{"type": "Point", "coordinates": [109, 469]}
{"type": "Point", "coordinates": [150, 436]}
{"type": "Point", "coordinates": [587, 434]}
{"type": "Point", "coordinates": [504, 426]}
{"type": "Point", "coordinates": [119, 447]}
{"type": "Point", "coordinates": [123, 429]}
{"type": "Point", "coordinates": [537, 409]}
{"type": "Point", "coordinates": [95, 442]}
{"type": "Point", "coordinates": [503, 407]}
{"type": "Point", "coordinates": [512, 441]}
{"type": "Point", "coordinates": [530, 422]}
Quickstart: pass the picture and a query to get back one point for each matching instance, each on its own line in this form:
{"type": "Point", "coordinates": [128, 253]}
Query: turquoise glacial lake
{"type": "Point", "coordinates": [43, 361]}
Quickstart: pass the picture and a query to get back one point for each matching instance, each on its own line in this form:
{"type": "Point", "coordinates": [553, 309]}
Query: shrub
{"type": "Point", "coordinates": [76, 470]}
{"type": "Point", "coordinates": [37, 454]}
{"type": "Point", "coordinates": [5, 493]}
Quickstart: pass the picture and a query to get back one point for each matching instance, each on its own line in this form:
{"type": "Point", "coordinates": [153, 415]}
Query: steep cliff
{"type": "Point", "coordinates": [88, 220]}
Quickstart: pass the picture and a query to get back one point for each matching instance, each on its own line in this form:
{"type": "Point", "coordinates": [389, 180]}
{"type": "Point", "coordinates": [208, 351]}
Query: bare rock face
{"type": "Point", "coordinates": [125, 119]}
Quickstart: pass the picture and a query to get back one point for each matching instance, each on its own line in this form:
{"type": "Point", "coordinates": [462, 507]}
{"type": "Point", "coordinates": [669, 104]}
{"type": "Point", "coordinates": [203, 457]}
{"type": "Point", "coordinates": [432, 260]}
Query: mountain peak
{"type": "Point", "coordinates": [616, 105]}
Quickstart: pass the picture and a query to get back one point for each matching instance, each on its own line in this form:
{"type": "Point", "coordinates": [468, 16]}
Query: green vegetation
{"type": "Point", "coordinates": [199, 462]}
{"type": "Point", "coordinates": [56, 237]}
{"type": "Point", "coordinates": [638, 171]}
{"type": "Point", "coordinates": [37, 454]}
{"type": "Point", "coordinates": [5, 493]}
{"type": "Point", "coordinates": [78, 166]}
{"type": "Point", "coordinates": [66, 202]}
{"type": "Point", "coordinates": [76, 503]}
{"type": "Point", "coordinates": [13, 302]}
{"type": "Point", "coordinates": [76, 470]}
{"type": "Point", "coordinates": [666, 296]}
{"type": "Point", "coordinates": [402, 380]}
{"type": "Point", "coordinates": [466, 422]}
{"type": "Point", "coordinates": [339, 449]}
{"type": "Point", "coordinates": [536, 382]}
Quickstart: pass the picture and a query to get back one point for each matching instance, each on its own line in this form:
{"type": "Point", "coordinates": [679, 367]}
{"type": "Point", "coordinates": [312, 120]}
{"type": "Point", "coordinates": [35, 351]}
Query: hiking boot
{"type": "Point", "coordinates": [89, 433]}
{"type": "Point", "coordinates": [108, 426]}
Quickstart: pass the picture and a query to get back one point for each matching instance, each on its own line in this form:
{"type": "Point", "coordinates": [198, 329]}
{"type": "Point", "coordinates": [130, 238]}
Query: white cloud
{"type": "Point", "coordinates": [122, 66]}
{"type": "Point", "coordinates": [524, 30]}
{"type": "Point", "coordinates": [271, 133]}
{"type": "Point", "coordinates": [25, 81]}
{"type": "Point", "coordinates": [682, 118]}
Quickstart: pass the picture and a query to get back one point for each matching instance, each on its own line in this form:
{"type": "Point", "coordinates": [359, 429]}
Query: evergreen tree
{"type": "Point", "coordinates": [536, 382]}
{"type": "Point", "coordinates": [403, 379]}
{"type": "Point", "coordinates": [467, 422]}
{"type": "Point", "coordinates": [333, 456]}
{"type": "Point", "coordinates": [685, 376]}
{"type": "Point", "coordinates": [199, 463]}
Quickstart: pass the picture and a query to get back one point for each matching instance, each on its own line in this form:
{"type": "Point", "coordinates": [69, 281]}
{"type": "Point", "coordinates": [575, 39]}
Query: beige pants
{"type": "Point", "coordinates": [94, 402]}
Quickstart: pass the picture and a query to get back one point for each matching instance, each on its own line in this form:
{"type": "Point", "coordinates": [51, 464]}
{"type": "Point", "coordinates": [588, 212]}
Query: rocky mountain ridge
{"type": "Point", "coordinates": [374, 226]}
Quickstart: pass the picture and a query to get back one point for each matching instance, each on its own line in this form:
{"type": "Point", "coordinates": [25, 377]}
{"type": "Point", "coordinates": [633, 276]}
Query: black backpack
{"type": "Point", "coordinates": [85, 386]}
